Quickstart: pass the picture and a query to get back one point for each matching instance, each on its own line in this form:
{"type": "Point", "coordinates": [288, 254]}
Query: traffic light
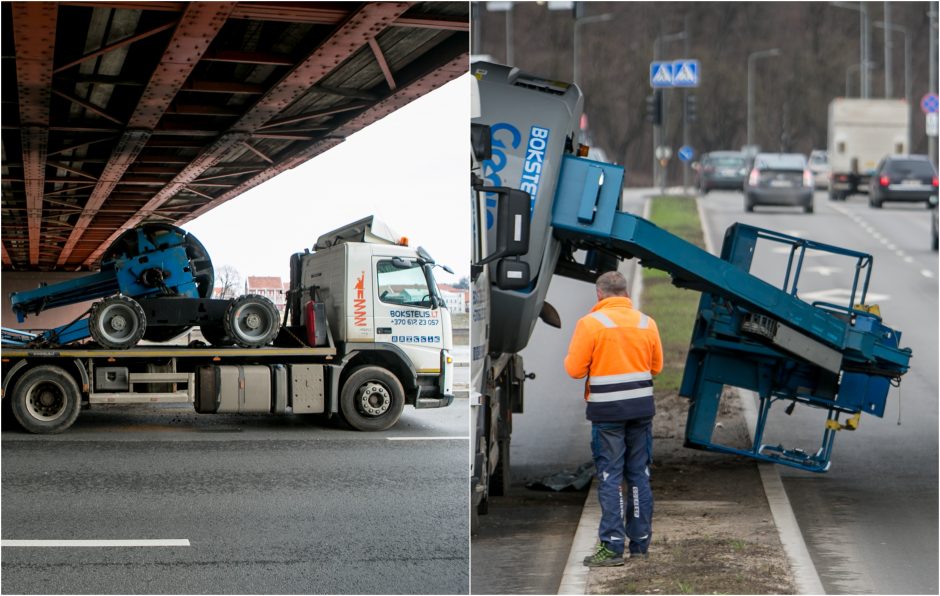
{"type": "Point", "coordinates": [691, 110]}
{"type": "Point", "coordinates": [654, 108]}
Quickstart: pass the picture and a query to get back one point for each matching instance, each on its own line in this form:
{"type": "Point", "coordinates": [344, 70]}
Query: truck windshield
{"type": "Point", "coordinates": [405, 283]}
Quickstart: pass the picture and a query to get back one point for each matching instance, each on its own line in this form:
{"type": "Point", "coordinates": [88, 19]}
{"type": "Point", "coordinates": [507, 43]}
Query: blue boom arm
{"type": "Point", "coordinates": [148, 261]}
{"type": "Point", "coordinates": [748, 333]}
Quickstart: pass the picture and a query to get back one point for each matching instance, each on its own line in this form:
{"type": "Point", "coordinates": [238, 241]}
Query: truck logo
{"type": "Point", "coordinates": [534, 158]}
{"type": "Point", "coordinates": [493, 166]}
{"type": "Point", "coordinates": [359, 303]}
{"type": "Point", "coordinates": [506, 136]}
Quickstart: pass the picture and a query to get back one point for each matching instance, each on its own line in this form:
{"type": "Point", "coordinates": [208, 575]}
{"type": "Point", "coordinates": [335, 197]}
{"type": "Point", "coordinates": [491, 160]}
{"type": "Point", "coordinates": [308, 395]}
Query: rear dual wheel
{"type": "Point", "coordinates": [46, 400]}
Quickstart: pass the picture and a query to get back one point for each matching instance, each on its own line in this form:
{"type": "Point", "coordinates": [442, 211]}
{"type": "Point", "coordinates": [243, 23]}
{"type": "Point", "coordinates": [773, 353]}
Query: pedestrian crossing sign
{"type": "Point", "coordinates": [685, 73]}
{"type": "Point", "coordinates": [661, 74]}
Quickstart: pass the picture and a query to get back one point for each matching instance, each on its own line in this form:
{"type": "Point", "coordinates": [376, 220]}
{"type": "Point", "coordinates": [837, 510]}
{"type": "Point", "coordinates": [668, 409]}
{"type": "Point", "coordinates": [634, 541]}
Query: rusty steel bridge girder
{"type": "Point", "coordinates": [159, 111]}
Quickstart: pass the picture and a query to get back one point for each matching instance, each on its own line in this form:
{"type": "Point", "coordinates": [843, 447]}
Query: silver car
{"type": "Point", "coordinates": [779, 179]}
{"type": "Point", "coordinates": [819, 166]}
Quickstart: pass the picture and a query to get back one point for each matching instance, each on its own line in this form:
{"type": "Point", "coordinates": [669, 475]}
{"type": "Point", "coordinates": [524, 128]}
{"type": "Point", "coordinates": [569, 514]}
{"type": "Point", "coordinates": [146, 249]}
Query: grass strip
{"type": "Point", "coordinates": [672, 308]}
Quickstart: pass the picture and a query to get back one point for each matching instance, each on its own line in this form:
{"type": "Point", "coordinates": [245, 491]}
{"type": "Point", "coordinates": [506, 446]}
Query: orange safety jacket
{"type": "Point", "coordinates": [618, 349]}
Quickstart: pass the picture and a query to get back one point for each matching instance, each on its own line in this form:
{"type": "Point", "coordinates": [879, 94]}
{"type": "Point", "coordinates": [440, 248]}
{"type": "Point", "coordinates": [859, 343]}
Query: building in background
{"type": "Point", "coordinates": [271, 287]}
{"type": "Point", "coordinates": [456, 299]}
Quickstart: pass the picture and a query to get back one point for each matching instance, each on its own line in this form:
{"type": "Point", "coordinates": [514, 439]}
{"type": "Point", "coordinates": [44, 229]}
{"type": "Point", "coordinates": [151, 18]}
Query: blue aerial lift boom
{"type": "Point", "coordinates": [155, 282]}
{"type": "Point", "coordinates": [748, 333]}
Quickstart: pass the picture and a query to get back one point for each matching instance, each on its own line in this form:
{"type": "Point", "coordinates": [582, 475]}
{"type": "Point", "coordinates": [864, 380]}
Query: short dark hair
{"type": "Point", "coordinates": [612, 283]}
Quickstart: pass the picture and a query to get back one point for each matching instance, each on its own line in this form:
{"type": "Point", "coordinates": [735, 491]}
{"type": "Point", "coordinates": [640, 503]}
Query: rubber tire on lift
{"type": "Point", "coordinates": [236, 322]}
{"type": "Point", "coordinates": [98, 325]}
{"type": "Point", "coordinates": [51, 384]}
{"type": "Point", "coordinates": [349, 393]}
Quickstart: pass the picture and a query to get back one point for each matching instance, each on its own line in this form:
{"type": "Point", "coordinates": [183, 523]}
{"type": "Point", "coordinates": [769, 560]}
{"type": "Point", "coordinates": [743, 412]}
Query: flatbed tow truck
{"type": "Point", "coordinates": [366, 332]}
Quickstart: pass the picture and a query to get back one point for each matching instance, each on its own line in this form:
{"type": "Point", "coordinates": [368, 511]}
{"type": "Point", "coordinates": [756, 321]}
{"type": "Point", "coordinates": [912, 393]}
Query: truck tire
{"type": "Point", "coordinates": [251, 321]}
{"type": "Point", "coordinates": [117, 322]}
{"type": "Point", "coordinates": [46, 400]}
{"type": "Point", "coordinates": [371, 399]}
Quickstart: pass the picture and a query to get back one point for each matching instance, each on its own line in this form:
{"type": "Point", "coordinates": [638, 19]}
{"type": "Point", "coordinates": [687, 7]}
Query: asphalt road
{"type": "Point", "coordinates": [524, 541]}
{"type": "Point", "coordinates": [275, 505]}
{"type": "Point", "coordinates": [870, 522]}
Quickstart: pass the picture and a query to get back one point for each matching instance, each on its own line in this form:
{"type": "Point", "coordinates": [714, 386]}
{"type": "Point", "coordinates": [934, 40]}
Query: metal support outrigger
{"type": "Point", "coordinates": [748, 333]}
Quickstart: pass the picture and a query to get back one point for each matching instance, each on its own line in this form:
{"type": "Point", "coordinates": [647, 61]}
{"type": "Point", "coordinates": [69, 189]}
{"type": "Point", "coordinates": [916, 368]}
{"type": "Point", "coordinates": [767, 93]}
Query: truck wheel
{"type": "Point", "coordinates": [251, 321]}
{"type": "Point", "coordinates": [372, 399]}
{"type": "Point", "coordinates": [117, 322]}
{"type": "Point", "coordinates": [874, 203]}
{"type": "Point", "coordinates": [748, 205]}
{"type": "Point", "coordinates": [46, 400]}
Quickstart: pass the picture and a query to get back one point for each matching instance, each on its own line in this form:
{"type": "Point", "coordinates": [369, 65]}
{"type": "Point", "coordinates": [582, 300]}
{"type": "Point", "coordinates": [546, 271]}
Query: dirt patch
{"type": "Point", "coordinates": [713, 532]}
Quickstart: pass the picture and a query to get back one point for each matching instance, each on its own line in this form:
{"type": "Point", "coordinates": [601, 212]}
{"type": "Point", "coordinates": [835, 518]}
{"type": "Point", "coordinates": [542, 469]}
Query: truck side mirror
{"type": "Point", "coordinates": [481, 141]}
{"type": "Point", "coordinates": [512, 222]}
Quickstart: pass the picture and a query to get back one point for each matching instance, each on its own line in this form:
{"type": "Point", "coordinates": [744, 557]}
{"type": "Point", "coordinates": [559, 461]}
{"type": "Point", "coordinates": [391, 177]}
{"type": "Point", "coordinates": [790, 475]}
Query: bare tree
{"type": "Point", "coordinates": [229, 281]}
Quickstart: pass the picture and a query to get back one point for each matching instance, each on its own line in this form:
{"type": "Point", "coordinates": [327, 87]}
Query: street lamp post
{"type": "Point", "coordinates": [751, 59]}
{"type": "Point", "coordinates": [576, 41]}
{"type": "Point", "coordinates": [848, 78]}
{"type": "Point", "coordinates": [907, 66]}
{"type": "Point", "coordinates": [658, 130]}
{"type": "Point", "coordinates": [864, 49]}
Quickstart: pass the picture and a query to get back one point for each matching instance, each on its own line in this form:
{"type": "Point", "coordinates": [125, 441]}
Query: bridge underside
{"type": "Point", "coordinates": [117, 113]}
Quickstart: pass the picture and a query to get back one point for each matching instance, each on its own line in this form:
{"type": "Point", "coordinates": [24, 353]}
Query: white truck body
{"type": "Point", "coordinates": [861, 132]}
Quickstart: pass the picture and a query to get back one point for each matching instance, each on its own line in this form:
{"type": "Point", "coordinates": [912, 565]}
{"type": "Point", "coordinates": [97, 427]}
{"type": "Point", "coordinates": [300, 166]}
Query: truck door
{"type": "Point", "coordinates": [406, 314]}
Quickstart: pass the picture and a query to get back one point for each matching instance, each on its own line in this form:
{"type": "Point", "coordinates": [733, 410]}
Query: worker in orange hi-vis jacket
{"type": "Point", "coordinates": [619, 351]}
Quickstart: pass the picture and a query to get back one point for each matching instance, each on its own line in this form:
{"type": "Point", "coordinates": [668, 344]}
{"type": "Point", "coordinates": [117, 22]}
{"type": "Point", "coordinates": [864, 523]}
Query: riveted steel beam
{"type": "Point", "coordinates": [383, 64]}
{"type": "Point", "coordinates": [118, 44]}
{"type": "Point", "coordinates": [198, 26]}
{"type": "Point", "coordinates": [367, 22]}
{"type": "Point", "coordinates": [34, 37]}
{"type": "Point", "coordinates": [452, 62]}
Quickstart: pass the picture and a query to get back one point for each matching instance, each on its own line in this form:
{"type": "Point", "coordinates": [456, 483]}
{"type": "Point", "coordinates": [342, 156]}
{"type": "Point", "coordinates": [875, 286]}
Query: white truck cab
{"type": "Point", "coordinates": [383, 305]}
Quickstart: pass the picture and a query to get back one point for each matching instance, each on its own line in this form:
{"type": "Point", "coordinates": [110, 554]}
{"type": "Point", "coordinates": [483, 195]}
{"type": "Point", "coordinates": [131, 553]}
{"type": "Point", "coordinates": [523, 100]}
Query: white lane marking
{"type": "Point", "coordinates": [823, 270]}
{"type": "Point", "coordinates": [926, 273]}
{"type": "Point", "coordinates": [840, 296]}
{"type": "Point", "coordinates": [91, 543]}
{"type": "Point", "coordinates": [427, 438]}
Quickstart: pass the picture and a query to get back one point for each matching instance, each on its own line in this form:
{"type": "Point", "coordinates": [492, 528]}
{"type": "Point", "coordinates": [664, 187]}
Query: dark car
{"type": "Point", "coordinates": [779, 179]}
{"type": "Point", "coordinates": [910, 178]}
{"type": "Point", "coordinates": [722, 169]}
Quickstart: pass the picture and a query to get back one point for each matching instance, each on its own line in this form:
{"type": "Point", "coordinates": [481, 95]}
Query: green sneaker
{"type": "Point", "coordinates": [603, 557]}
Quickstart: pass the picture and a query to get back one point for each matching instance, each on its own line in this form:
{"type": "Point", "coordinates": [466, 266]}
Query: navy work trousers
{"type": "Point", "coordinates": [624, 450]}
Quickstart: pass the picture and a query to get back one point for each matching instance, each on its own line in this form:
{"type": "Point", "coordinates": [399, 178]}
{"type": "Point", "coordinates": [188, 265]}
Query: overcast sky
{"type": "Point", "coordinates": [408, 169]}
